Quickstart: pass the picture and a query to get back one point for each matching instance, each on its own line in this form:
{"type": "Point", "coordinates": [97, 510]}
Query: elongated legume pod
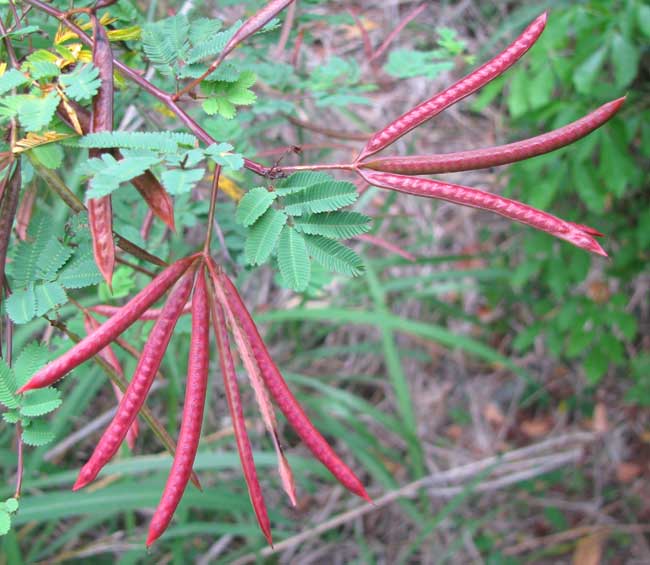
{"type": "Point", "coordinates": [190, 434]}
{"type": "Point", "coordinates": [110, 329]}
{"type": "Point", "coordinates": [281, 393]}
{"type": "Point", "coordinates": [578, 235]}
{"type": "Point", "coordinates": [100, 210]}
{"type": "Point", "coordinates": [148, 315]}
{"type": "Point", "coordinates": [238, 423]}
{"type": "Point", "coordinates": [499, 155]}
{"type": "Point", "coordinates": [108, 355]}
{"type": "Point", "coordinates": [457, 91]}
{"type": "Point", "coordinates": [141, 382]}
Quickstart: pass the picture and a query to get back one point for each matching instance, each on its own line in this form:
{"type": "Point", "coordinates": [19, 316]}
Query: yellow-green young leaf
{"type": "Point", "coordinates": [37, 112]}
{"type": "Point", "coordinates": [7, 386]}
{"type": "Point", "coordinates": [333, 255]}
{"type": "Point", "coordinates": [263, 236]}
{"type": "Point", "coordinates": [341, 225]}
{"type": "Point", "coordinates": [37, 433]}
{"type": "Point", "coordinates": [39, 402]}
{"type": "Point", "coordinates": [293, 259]}
{"type": "Point", "coordinates": [254, 203]}
{"type": "Point", "coordinates": [11, 505]}
{"type": "Point", "coordinates": [321, 197]}
{"type": "Point", "coordinates": [21, 305]}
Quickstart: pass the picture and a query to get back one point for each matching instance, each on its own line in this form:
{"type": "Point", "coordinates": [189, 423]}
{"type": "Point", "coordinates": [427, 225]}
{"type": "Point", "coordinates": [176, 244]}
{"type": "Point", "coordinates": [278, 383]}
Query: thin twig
{"type": "Point", "coordinates": [214, 190]}
{"type": "Point", "coordinates": [393, 34]}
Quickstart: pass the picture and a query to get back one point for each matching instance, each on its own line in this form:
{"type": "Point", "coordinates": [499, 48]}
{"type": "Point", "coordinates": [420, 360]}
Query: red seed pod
{"type": "Point", "coordinates": [457, 91]}
{"type": "Point", "coordinates": [156, 197]}
{"type": "Point", "coordinates": [108, 355]}
{"type": "Point", "coordinates": [24, 214]}
{"type": "Point", "coordinates": [190, 434]}
{"type": "Point", "coordinates": [578, 235]}
{"type": "Point", "coordinates": [499, 155]}
{"type": "Point", "coordinates": [238, 422]}
{"type": "Point", "coordinates": [100, 211]}
{"type": "Point", "coordinates": [148, 315]}
{"type": "Point", "coordinates": [284, 398]}
{"type": "Point", "coordinates": [138, 388]}
{"type": "Point", "coordinates": [110, 329]}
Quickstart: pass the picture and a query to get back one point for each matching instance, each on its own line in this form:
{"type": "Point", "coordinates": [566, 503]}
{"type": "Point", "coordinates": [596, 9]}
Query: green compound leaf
{"type": "Point", "coordinates": [160, 141]}
{"type": "Point", "coordinates": [11, 505]}
{"type": "Point", "coordinates": [40, 402]}
{"type": "Point", "coordinates": [21, 305]}
{"type": "Point", "coordinates": [166, 42]}
{"type": "Point", "coordinates": [340, 225]}
{"type": "Point", "coordinates": [31, 359]}
{"type": "Point", "coordinates": [321, 197]}
{"type": "Point", "coordinates": [333, 255]}
{"type": "Point", "coordinates": [7, 386]}
{"type": "Point", "coordinates": [37, 433]}
{"type": "Point", "coordinates": [263, 236]}
{"type": "Point", "coordinates": [51, 259]}
{"type": "Point", "coordinates": [181, 181]}
{"type": "Point", "coordinates": [82, 83]}
{"type": "Point", "coordinates": [28, 256]}
{"type": "Point", "coordinates": [12, 79]}
{"type": "Point", "coordinates": [254, 203]}
{"type": "Point", "coordinates": [211, 45]}
{"type": "Point", "coordinates": [35, 112]}
{"type": "Point", "coordinates": [293, 259]}
{"type": "Point", "coordinates": [108, 173]}
{"type": "Point", "coordinates": [223, 155]}
{"type": "Point", "coordinates": [48, 296]}
{"type": "Point", "coordinates": [300, 181]}
{"type": "Point", "coordinates": [81, 272]}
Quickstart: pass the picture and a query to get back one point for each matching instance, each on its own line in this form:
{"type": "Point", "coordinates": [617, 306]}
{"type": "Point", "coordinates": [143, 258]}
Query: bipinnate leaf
{"type": "Point", "coordinates": [40, 402]}
{"type": "Point", "coordinates": [33, 356]}
{"type": "Point", "coordinates": [293, 259]}
{"type": "Point", "coordinates": [263, 235]}
{"type": "Point", "coordinates": [223, 155]}
{"type": "Point", "coordinates": [333, 255]}
{"type": "Point", "coordinates": [82, 83]}
{"type": "Point", "coordinates": [37, 433]}
{"type": "Point", "coordinates": [181, 181]}
{"type": "Point", "coordinates": [254, 203]}
{"type": "Point", "coordinates": [12, 79]}
{"type": "Point", "coordinates": [37, 112]}
{"type": "Point", "coordinates": [321, 197]}
{"type": "Point", "coordinates": [160, 141]}
{"type": "Point", "coordinates": [7, 386]}
{"type": "Point", "coordinates": [21, 305]}
{"type": "Point", "coordinates": [80, 272]}
{"type": "Point", "coordinates": [340, 225]}
{"type": "Point", "coordinates": [48, 296]}
{"type": "Point", "coordinates": [108, 173]}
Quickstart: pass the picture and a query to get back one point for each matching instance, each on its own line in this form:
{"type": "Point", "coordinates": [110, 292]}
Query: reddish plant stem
{"type": "Point", "coordinates": [381, 242]}
{"type": "Point", "coordinates": [20, 464]}
{"type": "Point", "coordinates": [256, 22]}
{"type": "Point", "coordinates": [214, 190]}
{"type": "Point", "coordinates": [326, 131]}
{"type": "Point", "coordinates": [148, 315]}
{"type": "Point", "coordinates": [398, 29]}
{"type": "Point", "coordinates": [578, 235]}
{"type": "Point", "coordinates": [365, 38]}
{"type": "Point", "coordinates": [286, 29]}
{"type": "Point", "coordinates": [237, 414]}
{"type": "Point", "coordinates": [501, 154]}
{"type": "Point", "coordinates": [457, 91]}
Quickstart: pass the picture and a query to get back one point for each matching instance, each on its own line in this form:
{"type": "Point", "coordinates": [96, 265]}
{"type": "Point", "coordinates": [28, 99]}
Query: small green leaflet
{"type": "Point", "coordinates": [108, 173]}
{"type": "Point", "coordinates": [321, 197]}
{"type": "Point", "coordinates": [7, 387]}
{"type": "Point", "coordinates": [29, 360]}
{"type": "Point", "coordinates": [263, 236]}
{"type": "Point", "coordinates": [159, 141]}
{"type": "Point", "coordinates": [223, 97]}
{"type": "Point", "coordinates": [334, 255]}
{"type": "Point", "coordinates": [222, 155]}
{"type": "Point", "coordinates": [37, 433]}
{"type": "Point", "coordinates": [80, 272]}
{"type": "Point", "coordinates": [12, 79]}
{"type": "Point", "coordinates": [340, 225]}
{"type": "Point", "coordinates": [300, 181]}
{"type": "Point", "coordinates": [48, 296]}
{"type": "Point", "coordinates": [37, 112]}
{"type": "Point", "coordinates": [40, 402]}
{"type": "Point", "coordinates": [39, 70]}
{"type": "Point", "coordinates": [211, 45]}
{"type": "Point", "coordinates": [293, 259]}
{"type": "Point", "coordinates": [82, 83]}
{"type": "Point", "coordinates": [180, 181]}
{"type": "Point", "coordinates": [254, 203]}
{"type": "Point", "coordinates": [21, 305]}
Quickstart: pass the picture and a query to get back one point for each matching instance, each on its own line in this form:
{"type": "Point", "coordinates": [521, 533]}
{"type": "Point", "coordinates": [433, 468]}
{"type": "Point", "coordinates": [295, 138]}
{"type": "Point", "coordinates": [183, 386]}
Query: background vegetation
{"type": "Point", "coordinates": [476, 339]}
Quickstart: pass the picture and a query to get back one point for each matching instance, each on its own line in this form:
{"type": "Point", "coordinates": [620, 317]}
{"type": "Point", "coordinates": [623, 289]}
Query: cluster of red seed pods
{"type": "Point", "coordinates": [219, 301]}
{"type": "Point", "coordinates": [396, 173]}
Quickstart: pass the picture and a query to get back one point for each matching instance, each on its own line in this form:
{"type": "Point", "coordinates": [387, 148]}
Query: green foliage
{"type": "Point", "coordinates": [305, 223]}
{"type": "Point", "coordinates": [7, 508]}
{"type": "Point", "coordinates": [597, 48]}
{"type": "Point", "coordinates": [159, 141]}
{"type": "Point", "coordinates": [12, 78]}
{"type": "Point", "coordinates": [82, 83]}
{"type": "Point", "coordinates": [42, 268]}
{"type": "Point", "coordinates": [108, 173]}
{"type": "Point", "coordinates": [30, 407]}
